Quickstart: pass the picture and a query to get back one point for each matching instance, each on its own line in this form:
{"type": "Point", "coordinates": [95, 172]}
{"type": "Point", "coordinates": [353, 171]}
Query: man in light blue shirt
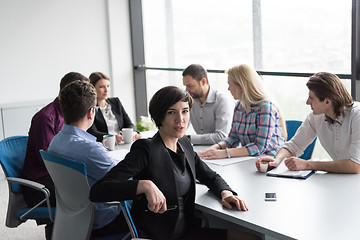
{"type": "Point", "coordinates": [211, 113]}
{"type": "Point", "coordinates": [77, 102]}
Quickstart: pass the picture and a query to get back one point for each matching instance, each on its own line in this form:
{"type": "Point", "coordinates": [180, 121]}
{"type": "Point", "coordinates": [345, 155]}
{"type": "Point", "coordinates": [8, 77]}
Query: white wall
{"type": "Point", "coordinates": [121, 55]}
{"type": "Point", "coordinates": [42, 40]}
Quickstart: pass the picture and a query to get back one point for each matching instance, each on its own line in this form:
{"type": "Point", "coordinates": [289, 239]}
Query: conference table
{"type": "Point", "coordinates": [324, 206]}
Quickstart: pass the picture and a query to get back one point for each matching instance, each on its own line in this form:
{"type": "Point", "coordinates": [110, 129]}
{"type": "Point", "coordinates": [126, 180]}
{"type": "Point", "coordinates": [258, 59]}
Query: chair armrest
{"type": "Point", "coordinates": [36, 186]}
{"type": "Point", "coordinates": [113, 203]}
{"type": "Point", "coordinates": [25, 182]}
{"type": "Point", "coordinates": [126, 212]}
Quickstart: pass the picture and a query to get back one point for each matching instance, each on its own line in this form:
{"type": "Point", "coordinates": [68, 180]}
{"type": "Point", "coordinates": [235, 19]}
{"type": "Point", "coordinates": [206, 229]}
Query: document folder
{"type": "Point", "coordinates": [283, 171]}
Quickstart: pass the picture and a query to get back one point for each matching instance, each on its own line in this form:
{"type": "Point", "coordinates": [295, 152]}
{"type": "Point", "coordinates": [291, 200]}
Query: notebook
{"type": "Point", "coordinates": [283, 171]}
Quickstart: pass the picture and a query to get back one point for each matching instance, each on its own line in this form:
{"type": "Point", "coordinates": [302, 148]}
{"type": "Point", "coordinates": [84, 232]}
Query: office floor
{"type": "Point", "coordinates": [28, 230]}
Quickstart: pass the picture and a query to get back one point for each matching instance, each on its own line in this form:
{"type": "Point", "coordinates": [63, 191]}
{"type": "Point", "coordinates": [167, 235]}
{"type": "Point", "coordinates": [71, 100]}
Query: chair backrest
{"type": "Point", "coordinates": [12, 156]}
{"type": "Point", "coordinates": [74, 211]}
{"type": "Point", "coordinates": [292, 126]}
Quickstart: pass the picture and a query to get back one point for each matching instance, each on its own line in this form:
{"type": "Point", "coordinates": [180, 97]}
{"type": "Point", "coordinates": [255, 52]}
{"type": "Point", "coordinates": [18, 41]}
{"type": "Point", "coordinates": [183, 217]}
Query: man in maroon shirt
{"type": "Point", "coordinates": [44, 126]}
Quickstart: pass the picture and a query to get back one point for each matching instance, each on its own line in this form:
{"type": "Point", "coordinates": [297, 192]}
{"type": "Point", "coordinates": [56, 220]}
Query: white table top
{"type": "Point", "coordinates": [322, 207]}
{"type": "Point", "coordinates": [122, 149]}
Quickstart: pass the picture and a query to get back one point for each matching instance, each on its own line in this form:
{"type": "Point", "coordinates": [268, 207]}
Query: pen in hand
{"type": "Point", "coordinates": [171, 207]}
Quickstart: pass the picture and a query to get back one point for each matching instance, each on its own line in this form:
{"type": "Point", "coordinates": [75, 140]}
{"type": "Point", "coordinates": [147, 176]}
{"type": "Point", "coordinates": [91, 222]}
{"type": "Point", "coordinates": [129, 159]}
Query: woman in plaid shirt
{"type": "Point", "coordinates": [257, 125]}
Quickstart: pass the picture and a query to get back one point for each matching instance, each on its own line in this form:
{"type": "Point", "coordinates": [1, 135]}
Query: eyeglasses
{"type": "Point", "coordinates": [96, 109]}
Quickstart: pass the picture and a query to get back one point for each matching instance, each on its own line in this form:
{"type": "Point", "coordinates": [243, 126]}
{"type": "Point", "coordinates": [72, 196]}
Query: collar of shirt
{"type": "Point", "coordinates": [339, 119]}
{"type": "Point", "coordinates": [328, 119]}
{"type": "Point", "coordinates": [106, 109]}
{"type": "Point", "coordinates": [211, 97]}
{"type": "Point", "coordinates": [77, 131]}
{"type": "Point", "coordinates": [242, 108]}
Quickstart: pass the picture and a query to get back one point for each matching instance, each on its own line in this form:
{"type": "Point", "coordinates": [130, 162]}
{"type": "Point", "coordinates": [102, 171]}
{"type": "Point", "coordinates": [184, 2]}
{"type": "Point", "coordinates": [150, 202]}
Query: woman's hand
{"type": "Point", "coordinates": [136, 136]}
{"type": "Point", "coordinates": [228, 199]}
{"type": "Point", "coordinates": [211, 153]}
{"type": "Point", "coordinates": [119, 138]}
{"type": "Point", "coordinates": [156, 199]}
{"type": "Point", "coordinates": [273, 163]}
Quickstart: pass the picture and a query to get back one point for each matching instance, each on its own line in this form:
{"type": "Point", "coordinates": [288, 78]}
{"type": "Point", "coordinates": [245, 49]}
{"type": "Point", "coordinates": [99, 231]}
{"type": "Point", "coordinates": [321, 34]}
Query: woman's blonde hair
{"type": "Point", "coordinates": [250, 83]}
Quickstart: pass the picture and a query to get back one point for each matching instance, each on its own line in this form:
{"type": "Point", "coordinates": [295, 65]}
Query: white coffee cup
{"type": "Point", "coordinates": [109, 142]}
{"type": "Point", "coordinates": [127, 134]}
{"type": "Point", "coordinates": [264, 166]}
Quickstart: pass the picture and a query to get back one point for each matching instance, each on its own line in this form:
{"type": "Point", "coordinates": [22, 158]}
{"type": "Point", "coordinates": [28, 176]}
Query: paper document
{"type": "Point", "coordinates": [228, 161]}
{"type": "Point", "coordinates": [283, 171]}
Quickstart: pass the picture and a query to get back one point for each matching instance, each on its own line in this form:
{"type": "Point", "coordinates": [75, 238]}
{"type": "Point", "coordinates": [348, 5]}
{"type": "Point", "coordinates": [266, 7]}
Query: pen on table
{"type": "Point", "coordinates": [171, 207]}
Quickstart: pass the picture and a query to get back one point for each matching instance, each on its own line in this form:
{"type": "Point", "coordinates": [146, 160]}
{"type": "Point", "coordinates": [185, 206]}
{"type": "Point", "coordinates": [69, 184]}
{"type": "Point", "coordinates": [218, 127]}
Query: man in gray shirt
{"type": "Point", "coordinates": [211, 113]}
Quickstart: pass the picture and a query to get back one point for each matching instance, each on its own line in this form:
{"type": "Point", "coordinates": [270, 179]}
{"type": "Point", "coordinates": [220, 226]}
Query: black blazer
{"type": "Point", "coordinates": [99, 127]}
{"type": "Point", "coordinates": [149, 159]}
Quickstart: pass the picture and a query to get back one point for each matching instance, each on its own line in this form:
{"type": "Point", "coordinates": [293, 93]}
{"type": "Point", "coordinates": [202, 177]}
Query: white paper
{"type": "Point", "coordinates": [228, 161]}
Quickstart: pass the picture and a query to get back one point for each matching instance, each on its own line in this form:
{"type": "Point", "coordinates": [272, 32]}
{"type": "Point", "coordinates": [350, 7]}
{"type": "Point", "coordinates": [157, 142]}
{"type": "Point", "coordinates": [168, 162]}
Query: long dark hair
{"type": "Point", "coordinates": [96, 76]}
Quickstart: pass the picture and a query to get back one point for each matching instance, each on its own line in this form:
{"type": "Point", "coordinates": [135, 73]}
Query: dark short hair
{"type": "Point", "coordinates": [76, 99]}
{"type": "Point", "coordinates": [96, 76]}
{"type": "Point", "coordinates": [71, 77]}
{"type": "Point", "coordinates": [196, 71]}
{"type": "Point", "coordinates": [328, 85]}
{"type": "Point", "coordinates": [164, 99]}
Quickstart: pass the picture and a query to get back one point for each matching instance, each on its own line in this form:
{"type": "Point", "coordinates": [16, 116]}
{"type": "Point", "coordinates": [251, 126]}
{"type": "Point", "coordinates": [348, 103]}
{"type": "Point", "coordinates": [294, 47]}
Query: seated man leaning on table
{"type": "Point", "coordinates": [212, 111]}
{"type": "Point", "coordinates": [335, 119]}
{"type": "Point", "coordinates": [78, 104]}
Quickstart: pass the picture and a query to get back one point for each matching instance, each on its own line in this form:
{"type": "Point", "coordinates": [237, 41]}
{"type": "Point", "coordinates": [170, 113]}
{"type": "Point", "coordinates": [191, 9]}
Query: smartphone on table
{"type": "Point", "coordinates": [270, 196]}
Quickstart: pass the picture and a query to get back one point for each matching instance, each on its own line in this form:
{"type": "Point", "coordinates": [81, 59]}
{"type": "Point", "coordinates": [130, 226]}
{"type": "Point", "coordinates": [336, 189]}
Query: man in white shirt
{"type": "Point", "coordinates": [211, 114]}
{"type": "Point", "coordinates": [335, 119]}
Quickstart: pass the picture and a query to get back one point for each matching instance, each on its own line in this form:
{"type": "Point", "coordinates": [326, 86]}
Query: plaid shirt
{"type": "Point", "coordinates": [258, 130]}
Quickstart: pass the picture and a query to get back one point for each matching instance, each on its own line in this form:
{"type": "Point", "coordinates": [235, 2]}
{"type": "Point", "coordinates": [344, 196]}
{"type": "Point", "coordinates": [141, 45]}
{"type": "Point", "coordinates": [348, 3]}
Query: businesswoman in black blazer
{"type": "Point", "coordinates": [111, 117]}
{"type": "Point", "coordinates": [164, 170]}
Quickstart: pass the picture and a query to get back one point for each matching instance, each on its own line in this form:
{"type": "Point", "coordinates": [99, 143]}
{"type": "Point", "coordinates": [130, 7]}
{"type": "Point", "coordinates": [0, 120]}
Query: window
{"type": "Point", "coordinates": [306, 36]}
{"type": "Point", "coordinates": [275, 36]}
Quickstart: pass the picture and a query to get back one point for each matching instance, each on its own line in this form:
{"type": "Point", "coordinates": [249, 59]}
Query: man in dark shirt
{"type": "Point", "coordinates": [44, 126]}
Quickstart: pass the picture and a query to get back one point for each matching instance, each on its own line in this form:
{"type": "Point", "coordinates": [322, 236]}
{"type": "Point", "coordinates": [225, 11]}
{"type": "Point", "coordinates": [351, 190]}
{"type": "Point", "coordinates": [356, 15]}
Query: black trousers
{"type": "Point", "coordinates": [33, 196]}
{"type": "Point", "coordinates": [118, 225]}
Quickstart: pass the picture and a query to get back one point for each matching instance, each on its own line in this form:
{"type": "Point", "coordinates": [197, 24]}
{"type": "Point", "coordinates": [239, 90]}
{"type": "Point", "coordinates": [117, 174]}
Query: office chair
{"type": "Point", "coordinates": [12, 157]}
{"type": "Point", "coordinates": [125, 208]}
{"type": "Point", "coordinates": [292, 126]}
{"type": "Point", "coordinates": [74, 210]}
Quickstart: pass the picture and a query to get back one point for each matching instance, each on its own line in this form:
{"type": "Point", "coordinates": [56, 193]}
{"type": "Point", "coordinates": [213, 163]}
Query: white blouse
{"type": "Point", "coordinates": [110, 119]}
